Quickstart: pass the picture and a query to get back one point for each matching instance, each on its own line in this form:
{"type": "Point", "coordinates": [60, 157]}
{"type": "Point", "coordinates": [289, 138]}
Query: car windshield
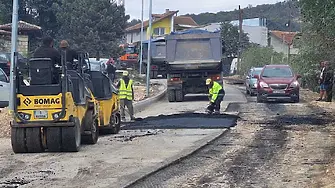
{"type": "Point", "coordinates": [256, 72]}
{"type": "Point", "coordinates": [277, 72]}
{"type": "Point", "coordinates": [130, 50]}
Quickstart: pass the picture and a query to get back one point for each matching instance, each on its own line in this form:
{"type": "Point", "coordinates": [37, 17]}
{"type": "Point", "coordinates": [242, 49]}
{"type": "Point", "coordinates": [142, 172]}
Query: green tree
{"type": "Point", "coordinates": [277, 15]}
{"type": "Point", "coordinates": [133, 22]}
{"type": "Point", "coordinates": [230, 40]}
{"type": "Point", "coordinates": [258, 57]}
{"type": "Point", "coordinates": [92, 26]}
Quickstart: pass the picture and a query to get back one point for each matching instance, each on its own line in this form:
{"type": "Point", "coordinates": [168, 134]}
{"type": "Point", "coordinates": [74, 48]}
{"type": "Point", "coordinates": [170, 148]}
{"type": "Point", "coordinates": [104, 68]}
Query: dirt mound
{"type": "Point", "coordinates": [4, 123]}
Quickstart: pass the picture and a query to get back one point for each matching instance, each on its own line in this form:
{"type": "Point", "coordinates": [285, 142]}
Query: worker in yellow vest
{"type": "Point", "coordinates": [216, 95]}
{"type": "Point", "coordinates": [126, 95]}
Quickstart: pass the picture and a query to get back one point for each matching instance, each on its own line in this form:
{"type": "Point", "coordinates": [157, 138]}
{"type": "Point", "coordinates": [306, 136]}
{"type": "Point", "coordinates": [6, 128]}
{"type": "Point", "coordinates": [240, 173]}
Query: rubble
{"type": "Point", "coordinates": [310, 97]}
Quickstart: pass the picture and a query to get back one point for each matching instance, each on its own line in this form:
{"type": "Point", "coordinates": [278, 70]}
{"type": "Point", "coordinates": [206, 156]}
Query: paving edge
{"type": "Point", "coordinates": [142, 105]}
{"type": "Point", "coordinates": [200, 144]}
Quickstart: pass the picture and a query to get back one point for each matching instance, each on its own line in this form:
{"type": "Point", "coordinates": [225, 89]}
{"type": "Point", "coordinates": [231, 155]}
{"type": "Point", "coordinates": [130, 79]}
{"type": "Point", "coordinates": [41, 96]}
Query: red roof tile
{"type": "Point", "coordinates": [185, 20]}
{"type": "Point", "coordinates": [146, 23]}
{"type": "Point", "coordinates": [21, 26]}
{"type": "Point", "coordinates": [3, 32]}
{"type": "Point", "coordinates": [286, 36]}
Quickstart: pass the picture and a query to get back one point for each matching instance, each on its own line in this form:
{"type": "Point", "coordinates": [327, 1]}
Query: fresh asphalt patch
{"type": "Point", "coordinates": [184, 121]}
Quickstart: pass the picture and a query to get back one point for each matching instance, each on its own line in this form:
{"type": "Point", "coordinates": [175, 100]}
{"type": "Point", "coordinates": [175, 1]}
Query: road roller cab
{"type": "Point", "coordinates": [54, 110]}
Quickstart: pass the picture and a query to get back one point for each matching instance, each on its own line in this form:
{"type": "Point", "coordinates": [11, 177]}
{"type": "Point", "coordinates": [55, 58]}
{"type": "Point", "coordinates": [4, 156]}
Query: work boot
{"type": "Point", "coordinates": [209, 111]}
{"type": "Point", "coordinates": [319, 99]}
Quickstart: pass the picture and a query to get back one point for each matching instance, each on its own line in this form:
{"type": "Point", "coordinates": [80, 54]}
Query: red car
{"type": "Point", "coordinates": [277, 82]}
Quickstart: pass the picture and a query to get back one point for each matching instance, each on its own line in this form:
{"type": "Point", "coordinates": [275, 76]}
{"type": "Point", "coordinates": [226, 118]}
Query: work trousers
{"type": "Point", "coordinates": [329, 92]}
{"type": "Point", "coordinates": [129, 104]}
{"type": "Point", "coordinates": [217, 103]}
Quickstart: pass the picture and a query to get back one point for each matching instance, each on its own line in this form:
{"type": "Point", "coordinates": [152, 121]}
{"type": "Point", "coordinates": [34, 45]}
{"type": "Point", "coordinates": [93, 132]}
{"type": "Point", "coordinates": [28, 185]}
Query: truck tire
{"type": "Point", "coordinates": [18, 137]}
{"type": "Point", "coordinates": [155, 74]}
{"type": "Point", "coordinates": [179, 95]}
{"type": "Point", "coordinates": [34, 140]}
{"type": "Point", "coordinates": [171, 95]}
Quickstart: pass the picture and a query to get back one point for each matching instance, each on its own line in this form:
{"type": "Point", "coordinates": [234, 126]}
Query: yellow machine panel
{"type": "Point", "coordinates": [48, 108]}
{"type": "Point", "coordinates": [39, 102]}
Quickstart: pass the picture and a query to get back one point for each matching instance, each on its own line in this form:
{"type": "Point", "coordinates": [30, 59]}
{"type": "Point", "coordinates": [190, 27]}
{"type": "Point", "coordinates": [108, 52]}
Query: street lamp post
{"type": "Point", "coordinates": [149, 48]}
{"type": "Point", "coordinates": [13, 50]}
{"type": "Point", "coordinates": [141, 38]}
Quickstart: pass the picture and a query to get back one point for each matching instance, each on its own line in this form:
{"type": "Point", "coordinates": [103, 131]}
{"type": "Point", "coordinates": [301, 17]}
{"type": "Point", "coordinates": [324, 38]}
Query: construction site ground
{"type": "Point", "coordinates": [273, 144]}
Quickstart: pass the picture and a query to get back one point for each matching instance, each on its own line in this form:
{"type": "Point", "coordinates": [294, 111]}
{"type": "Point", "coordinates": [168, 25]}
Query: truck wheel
{"type": "Point", "coordinates": [91, 125]}
{"type": "Point", "coordinates": [179, 96]}
{"type": "Point", "coordinates": [18, 138]}
{"type": "Point", "coordinates": [155, 74]}
{"type": "Point", "coordinates": [71, 137]}
{"type": "Point", "coordinates": [34, 140]}
{"type": "Point", "coordinates": [171, 96]}
{"type": "Point", "coordinates": [53, 137]}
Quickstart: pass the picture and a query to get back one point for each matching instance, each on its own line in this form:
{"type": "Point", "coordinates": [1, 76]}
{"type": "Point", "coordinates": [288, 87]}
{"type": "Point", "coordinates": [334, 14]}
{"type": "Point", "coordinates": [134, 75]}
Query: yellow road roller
{"type": "Point", "coordinates": [54, 110]}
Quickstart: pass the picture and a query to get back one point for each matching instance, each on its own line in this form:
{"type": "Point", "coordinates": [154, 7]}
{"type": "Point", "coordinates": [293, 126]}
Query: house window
{"type": "Point", "coordinates": [159, 31]}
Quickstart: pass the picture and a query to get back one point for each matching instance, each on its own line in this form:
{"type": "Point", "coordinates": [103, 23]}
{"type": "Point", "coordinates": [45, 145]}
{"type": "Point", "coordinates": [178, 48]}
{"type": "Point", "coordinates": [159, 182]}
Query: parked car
{"type": "Point", "coordinates": [277, 82]}
{"type": "Point", "coordinates": [251, 82]}
{"type": "Point", "coordinates": [4, 89]}
{"type": "Point", "coordinates": [5, 61]}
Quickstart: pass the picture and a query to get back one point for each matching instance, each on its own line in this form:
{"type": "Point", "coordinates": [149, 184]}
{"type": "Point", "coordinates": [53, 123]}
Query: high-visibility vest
{"type": "Point", "coordinates": [125, 92]}
{"type": "Point", "coordinates": [214, 91]}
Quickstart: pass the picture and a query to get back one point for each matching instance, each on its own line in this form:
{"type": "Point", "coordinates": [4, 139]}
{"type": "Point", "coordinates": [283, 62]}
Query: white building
{"type": "Point", "coordinates": [282, 42]}
{"type": "Point", "coordinates": [255, 29]}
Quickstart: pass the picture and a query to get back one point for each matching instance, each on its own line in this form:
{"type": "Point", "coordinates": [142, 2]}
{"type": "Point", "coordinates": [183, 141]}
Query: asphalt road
{"type": "Point", "coordinates": [273, 145]}
{"type": "Point", "coordinates": [118, 160]}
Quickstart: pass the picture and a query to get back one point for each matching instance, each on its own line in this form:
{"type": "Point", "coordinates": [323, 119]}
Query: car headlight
{"type": "Point", "coordinates": [263, 84]}
{"type": "Point", "coordinates": [294, 84]}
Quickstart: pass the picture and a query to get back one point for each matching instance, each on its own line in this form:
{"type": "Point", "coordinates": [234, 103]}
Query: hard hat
{"type": "Point", "coordinates": [125, 73]}
{"type": "Point", "coordinates": [64, 44]}
{"type": "Point", "coordinates": [208, 81]}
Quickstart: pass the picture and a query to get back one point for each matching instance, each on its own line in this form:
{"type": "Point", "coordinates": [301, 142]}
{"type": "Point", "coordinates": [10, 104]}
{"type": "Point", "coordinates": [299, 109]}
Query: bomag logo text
{"type": "Point", "coordinates": [46, 101]}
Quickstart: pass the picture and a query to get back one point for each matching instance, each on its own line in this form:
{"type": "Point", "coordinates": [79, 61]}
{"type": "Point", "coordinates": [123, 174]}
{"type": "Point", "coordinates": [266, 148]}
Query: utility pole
{"type": "Point", "coordinates": [240, 36]}
{"type": "Point", "coordinates": [149, 48]}
{"type": "Point", "coordinates": [290, 30]}
{"type": "Point", "coordinates": [141, 38]}
{"type": "Point", "coordinates": [13, 51]}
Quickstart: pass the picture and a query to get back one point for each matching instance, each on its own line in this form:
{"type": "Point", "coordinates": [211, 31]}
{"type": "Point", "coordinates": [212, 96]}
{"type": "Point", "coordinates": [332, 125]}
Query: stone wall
{"type": "Point", "coordinates": [23, 44]}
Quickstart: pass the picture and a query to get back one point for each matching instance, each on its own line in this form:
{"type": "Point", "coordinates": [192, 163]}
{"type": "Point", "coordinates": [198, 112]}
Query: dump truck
{"type": "Point", "coordinates": [158, 58]}
{"type": "Point", "coordinates": [192, 56]}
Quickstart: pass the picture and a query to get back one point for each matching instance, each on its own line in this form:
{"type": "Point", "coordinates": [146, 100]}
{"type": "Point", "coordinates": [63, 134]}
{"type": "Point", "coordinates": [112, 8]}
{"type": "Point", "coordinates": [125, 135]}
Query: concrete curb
{"type": "Point", "coordinates": [142, 105]}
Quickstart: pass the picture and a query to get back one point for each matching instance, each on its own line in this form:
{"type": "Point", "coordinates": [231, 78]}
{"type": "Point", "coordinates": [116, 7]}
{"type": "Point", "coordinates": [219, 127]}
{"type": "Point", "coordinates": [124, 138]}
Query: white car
{"type": "Point", "coordinates": [4, 89]}
{"type": "Point", "coordinates": [100, 65]}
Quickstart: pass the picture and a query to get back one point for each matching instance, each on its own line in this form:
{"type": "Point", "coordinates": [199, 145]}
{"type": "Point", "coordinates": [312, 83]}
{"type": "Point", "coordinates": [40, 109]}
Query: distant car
{"type": "Point", "coordinates": [4, 89]}
{"type": "Point", "coordinates": [251, 82]}
{"type": "Point", "coordinates": [98, 65]}
{"type": "Point", "coordinates": [277, 82]}
{"type": "Point", "coordinates": [5, 61]}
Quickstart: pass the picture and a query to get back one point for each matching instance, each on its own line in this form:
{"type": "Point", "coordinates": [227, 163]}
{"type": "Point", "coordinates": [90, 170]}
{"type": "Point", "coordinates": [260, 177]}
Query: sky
{"type": "Point", "coordinates": [133, 7]}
